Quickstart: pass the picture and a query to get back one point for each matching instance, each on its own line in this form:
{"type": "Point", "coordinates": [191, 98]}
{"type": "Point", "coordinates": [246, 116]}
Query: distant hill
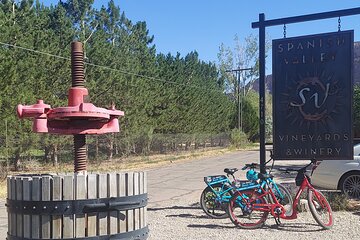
{"type": "Point", "coordinates": [268, 78]}
{"type": "Point", "coordinates": [268, 84]}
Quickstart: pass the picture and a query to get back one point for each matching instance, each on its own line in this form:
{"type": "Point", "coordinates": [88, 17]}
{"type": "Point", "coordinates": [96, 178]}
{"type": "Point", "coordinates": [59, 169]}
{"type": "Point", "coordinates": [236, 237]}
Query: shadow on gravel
{"type": "Point", "coordinates": [295, 227]}
{"type": "Point", "coordinates": [212, 226]}
{"type": "Point", "coordinates": [356, 213]}
{"type": "Point", "coordinates": [193, 206]}
{"type": "Point", "coordinates": [286, 227]}
{"type": "Point", "coordinates": [186, 215]}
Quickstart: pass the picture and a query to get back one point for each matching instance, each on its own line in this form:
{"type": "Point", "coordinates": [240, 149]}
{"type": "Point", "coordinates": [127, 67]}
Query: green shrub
{"type": "Point", "coordinates": [238, 138]}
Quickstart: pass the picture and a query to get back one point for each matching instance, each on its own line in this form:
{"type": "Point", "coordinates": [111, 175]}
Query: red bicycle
{"type": "Point", "coordinates": [250, 208]}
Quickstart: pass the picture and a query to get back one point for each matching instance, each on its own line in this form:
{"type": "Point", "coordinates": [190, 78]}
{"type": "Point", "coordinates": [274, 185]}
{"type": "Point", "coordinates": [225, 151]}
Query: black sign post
{"type": "Point", "coordinates": [312, 96]}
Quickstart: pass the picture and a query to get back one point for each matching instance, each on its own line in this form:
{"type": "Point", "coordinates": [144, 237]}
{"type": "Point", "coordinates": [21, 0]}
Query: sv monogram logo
{"type": "Point", "coordinates": [314, 99]}
{"type": "Point", "coordinates": [315, 96]}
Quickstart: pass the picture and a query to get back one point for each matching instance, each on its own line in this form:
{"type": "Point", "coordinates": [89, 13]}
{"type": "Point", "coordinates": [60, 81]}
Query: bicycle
{"type": "Point", "coordinates": [220, 189]}
{"type": "Point", "coordinates": [250, 208]}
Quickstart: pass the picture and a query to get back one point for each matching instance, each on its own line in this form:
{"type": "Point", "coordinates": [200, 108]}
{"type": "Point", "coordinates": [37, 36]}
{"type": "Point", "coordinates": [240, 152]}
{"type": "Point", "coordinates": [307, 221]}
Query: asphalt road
{"type": "Point", "coordinates": [180, 180]}
{"type": "Point", "coordinates": [185, 180]}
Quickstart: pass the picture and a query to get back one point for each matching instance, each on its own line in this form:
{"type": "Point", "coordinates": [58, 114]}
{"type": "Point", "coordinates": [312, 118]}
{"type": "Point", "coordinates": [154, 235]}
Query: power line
{"type": "Point", "coordinates": [111, 69]}
{"type": "Point", "coordinates": [35, 51]}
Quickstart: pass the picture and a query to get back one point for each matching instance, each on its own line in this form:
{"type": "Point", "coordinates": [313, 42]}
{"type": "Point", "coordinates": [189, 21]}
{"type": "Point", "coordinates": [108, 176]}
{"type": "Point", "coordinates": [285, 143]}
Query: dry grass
{"type": "Point", "coordinates": [148, 162]}
{"type": "Point", "coordinates": [3, 190]}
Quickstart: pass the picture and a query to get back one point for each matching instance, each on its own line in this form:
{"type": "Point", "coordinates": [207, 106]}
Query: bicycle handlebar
{"type": "Point", "coordinates": [250, 165]}
{"type": "Point", "coordinates": [288, 170]}
{"type": "Point", "coordinates": [256, 165]}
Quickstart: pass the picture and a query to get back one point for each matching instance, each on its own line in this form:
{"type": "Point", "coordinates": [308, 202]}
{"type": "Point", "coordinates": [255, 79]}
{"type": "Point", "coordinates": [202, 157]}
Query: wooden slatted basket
{"type": "Point", "coordinates": [72, 206]}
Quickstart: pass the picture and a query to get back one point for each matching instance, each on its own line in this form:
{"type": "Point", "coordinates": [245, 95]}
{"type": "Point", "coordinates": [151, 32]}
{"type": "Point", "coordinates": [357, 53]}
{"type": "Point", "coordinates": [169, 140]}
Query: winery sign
{"type": "Point", "coordinates": [312, 96]}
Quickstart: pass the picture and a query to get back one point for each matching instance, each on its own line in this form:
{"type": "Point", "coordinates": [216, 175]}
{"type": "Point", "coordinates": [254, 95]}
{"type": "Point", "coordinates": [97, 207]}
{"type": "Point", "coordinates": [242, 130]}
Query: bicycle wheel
{"type": "Point", "coordinates": [213, 206]}
{"type": "Point", "coordinates": [320, 208]}
{"type": "Point", "coordinates": [284, 197]}
{"type": "Point", "coordinates": [243, 214]}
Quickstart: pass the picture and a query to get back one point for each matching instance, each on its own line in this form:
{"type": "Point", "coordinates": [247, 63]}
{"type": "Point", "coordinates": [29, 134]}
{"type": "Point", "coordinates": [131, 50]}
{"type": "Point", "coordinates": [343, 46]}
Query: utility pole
{"type": "Point", "coordinates": [240, 102]}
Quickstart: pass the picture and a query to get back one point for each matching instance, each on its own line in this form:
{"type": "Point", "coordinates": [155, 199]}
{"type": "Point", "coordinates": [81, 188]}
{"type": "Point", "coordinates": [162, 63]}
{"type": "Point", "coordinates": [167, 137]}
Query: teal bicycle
{"type": "Point", "coordinates": [220, 189]}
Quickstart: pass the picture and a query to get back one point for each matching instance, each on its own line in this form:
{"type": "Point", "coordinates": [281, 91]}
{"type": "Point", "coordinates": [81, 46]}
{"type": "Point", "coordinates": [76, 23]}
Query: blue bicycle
{"type": "Point", "coordinates": [220, 188]}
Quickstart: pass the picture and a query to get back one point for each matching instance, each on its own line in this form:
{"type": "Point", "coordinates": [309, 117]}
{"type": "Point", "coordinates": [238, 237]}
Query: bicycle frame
{"type": "Point", "coordinates": [222, 179]}
{"type": "Point", "coordinates": [249, 209]}
{"type": "Point", "coordinates": [272, 208]}
{"type": "Point", "coordinates": [222, 193]}
{"type": "Point", "coordinates": [260, 187]}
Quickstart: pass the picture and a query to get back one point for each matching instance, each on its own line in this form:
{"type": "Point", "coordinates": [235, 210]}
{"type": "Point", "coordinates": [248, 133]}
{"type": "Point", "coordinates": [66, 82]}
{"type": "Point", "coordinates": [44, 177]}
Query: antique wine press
{"type": "Point", "coordinates": [79, 118]}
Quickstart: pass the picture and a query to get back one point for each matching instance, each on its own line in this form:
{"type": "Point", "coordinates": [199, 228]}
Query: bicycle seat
{"type": "Point", "coordinates": [230, 171]}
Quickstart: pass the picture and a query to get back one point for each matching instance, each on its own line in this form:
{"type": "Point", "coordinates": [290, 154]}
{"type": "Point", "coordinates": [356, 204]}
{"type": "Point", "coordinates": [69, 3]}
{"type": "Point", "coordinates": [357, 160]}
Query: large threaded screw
{"type": "Point", "coordinates": [78, 80]}
{"type": "Point", "coordinates": [80, 153]}
{"type": "Point", "coordinates": [77, 65]}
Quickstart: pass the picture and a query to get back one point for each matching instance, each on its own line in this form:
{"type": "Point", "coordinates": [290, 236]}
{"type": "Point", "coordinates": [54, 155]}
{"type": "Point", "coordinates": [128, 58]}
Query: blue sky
{"type": "Point", "coordinates": [202, 25]}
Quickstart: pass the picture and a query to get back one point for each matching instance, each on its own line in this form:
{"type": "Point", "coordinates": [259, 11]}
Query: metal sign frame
{"type": "Point", "coordinates": [261, 25]}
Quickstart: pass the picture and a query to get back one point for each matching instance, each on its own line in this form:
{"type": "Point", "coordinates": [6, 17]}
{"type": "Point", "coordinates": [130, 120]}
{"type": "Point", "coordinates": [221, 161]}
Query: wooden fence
{"type": "Point", "coordinates": [75, 206]}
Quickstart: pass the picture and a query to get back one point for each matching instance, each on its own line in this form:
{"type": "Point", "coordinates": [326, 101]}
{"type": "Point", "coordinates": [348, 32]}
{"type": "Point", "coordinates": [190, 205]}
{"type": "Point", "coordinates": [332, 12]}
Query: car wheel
{"type": "Point", "coordinates": [350, 185]}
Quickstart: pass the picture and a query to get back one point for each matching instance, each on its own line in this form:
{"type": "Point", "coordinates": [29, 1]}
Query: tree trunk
{"type": "Point", "coordinates": [13, 10]}
{"type": "Point", "coordinates": [55, 155]}
{"type": "Point", "coordinates": [17, 160]}
{"type": "Point", "coordinates": [111, 147]}
{"type": "Point", "coordinates": [161, 147]}
{"type": "Point", "coordinates": [117, 149]}
{"type": "Point", "coordinates": [46, 154]}
{"type": "Point", "coordinates": [96, 148]}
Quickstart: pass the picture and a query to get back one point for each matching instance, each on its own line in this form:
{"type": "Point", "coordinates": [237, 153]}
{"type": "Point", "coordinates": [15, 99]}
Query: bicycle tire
{"type": "Point", "coordinates": [286, 200]}
{"type": "Point", "coordinates": [246, 217]}
{"type": "Point", "coordinates": [320, 209]}
{"type": "Point", "coordinates": [210, 206]}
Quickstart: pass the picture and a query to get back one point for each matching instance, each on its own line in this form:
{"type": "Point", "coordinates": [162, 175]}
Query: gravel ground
{"type": "Point", "coordinates": [186, 221]}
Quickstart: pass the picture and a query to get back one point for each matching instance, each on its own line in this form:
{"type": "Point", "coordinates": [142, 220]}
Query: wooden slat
{"type": "Point", "coordinates": [145, 191]}
{"type": "Point", "coordinates": [136, 210]}
{"type": "Point", "coordinates": [12, 195]}
{"type": "Point", "coordinates": [8, 190]}
{"type": "Point", "coordinates": [130, 192]}
{"type": "Point", "coordinates": [45, 196]}
{"type": "Point", "coordinates": [80, 193]}
{"type": "Point", "coordinates": [19, 217]}
{"type": "Point", "coordinates": [141, 191]}
{"type": "Point", "coordinates": [68, 194]}
{"type": "Point", "coordinates": [35, 196]}
{"type": "Point", "coordinates": [122, 193]}
{"type": "Point", "coordinates": [92, 194]}
{"type": "Point", "coordinates": [56, 196]}
{"type": "Point", "coordinates": [102, 216]}
{"type": "Point", "coordinates": [27, 197]}
{"type": "Point", "coordinates": [112, 192]}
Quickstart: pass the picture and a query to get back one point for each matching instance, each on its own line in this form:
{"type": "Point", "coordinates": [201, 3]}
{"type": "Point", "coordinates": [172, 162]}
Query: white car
{"type": "Point", "coordinates": [341, 175]}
